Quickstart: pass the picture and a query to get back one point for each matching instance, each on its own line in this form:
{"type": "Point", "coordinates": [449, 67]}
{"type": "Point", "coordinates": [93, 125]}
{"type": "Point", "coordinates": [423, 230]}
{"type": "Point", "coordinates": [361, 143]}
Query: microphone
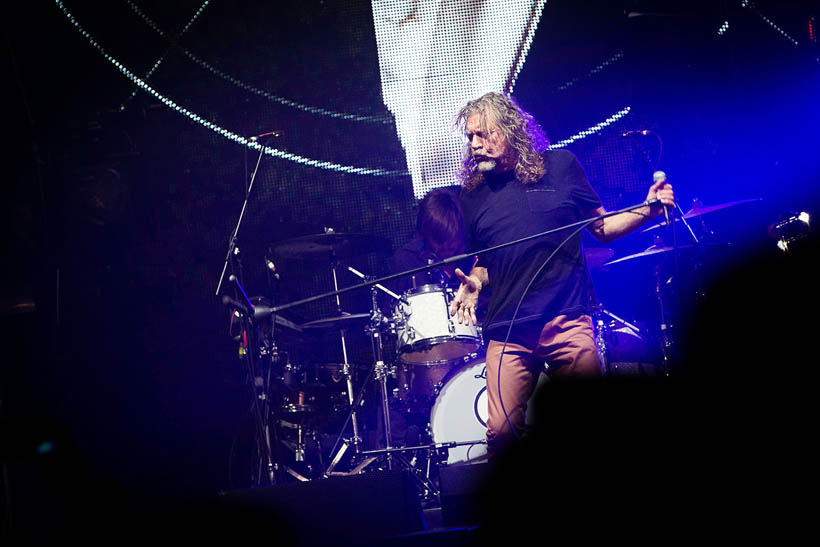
{"type": "Point", "coordinates": [660, 176]}
{"type": "Point", "coordinates": [636, 132]}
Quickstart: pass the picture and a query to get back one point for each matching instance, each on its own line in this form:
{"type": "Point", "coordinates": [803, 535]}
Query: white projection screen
{"type": "Point", "coordinates": [434, 56]}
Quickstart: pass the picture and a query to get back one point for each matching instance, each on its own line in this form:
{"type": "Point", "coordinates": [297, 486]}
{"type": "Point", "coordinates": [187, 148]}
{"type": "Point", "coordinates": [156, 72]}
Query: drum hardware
{"type": "Point", "coordinates": [698, 209]}
{"type": "Point", "coordinates": [666, 338]}
{"type": "Point", "coordinates": [603, 332]}
{"type": "Point", "coordinates": [334, 245]}
{"type": "Point", "coordinates": [259, 385]}
{"type": "Point", "coordinates": [330, 245]}
{"type": "Point", "coordinates": [298, 448]}
{"type": "Point", "coordinates": [342, 321]}
{"type": "Point", "coordinates": [381, 371]}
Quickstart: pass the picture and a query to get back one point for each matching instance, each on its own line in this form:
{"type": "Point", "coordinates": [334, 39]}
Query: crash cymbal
{"type": "Point", "coordinates": [597, 256]}
{"type": "Point", "coordinates": [699, 210]}
{"type": "Point", "coordinates": [660, 249]}
{"type": "Point", "coordinates": [330, 245]}
{"type": "Point", "coordinates": [342, 321]}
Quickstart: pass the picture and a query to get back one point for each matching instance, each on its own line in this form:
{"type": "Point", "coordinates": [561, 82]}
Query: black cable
{"type": "Point", "coordinates": [521, 300]}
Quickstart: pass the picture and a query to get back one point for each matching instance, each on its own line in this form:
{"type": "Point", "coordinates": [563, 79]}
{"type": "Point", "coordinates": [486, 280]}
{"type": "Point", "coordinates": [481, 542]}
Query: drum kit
{"type": "Point", "coordinates": [427, 378]}
{"type": "Point", "coordinates": [303, 407]}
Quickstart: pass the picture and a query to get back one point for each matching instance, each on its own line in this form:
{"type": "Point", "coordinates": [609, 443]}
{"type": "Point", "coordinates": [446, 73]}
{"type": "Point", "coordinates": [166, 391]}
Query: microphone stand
{"type": "Point", "coordinates": [259, 396]}
{"type": "Point", "coordinates": [666, 340]}
{"type": "Point", "coordinates": [232, 244]}
{"type": "Point", "coordinates": [447, 261]}
{"type": "Point", "coordinates": [266, 465]}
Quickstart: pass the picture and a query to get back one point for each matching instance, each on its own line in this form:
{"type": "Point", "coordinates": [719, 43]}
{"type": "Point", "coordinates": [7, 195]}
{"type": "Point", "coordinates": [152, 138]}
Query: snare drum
{"type": "Point", "coordinates": [427, 335]}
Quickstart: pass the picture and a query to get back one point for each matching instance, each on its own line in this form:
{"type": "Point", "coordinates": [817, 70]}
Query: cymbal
{"type": "Point", "coordinates": [660, 249]}
{"type": "Point", "coordinates": [597, 256]}
{"type": "Point", "coordinates": [329, 245]}
{"type": "Point", "coordinates": [338, 322]}
{"type": "Point", "coordinates": [702, 210]}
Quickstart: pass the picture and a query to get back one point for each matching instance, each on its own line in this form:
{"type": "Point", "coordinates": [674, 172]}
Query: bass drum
{"type": "Point", "coordinates": [459, 414]}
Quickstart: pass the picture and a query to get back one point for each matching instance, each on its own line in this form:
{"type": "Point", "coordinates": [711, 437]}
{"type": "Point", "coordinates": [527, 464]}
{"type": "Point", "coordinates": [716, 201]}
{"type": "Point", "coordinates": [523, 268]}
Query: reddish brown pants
{"type": "Point", "coordinates": [566, 344]}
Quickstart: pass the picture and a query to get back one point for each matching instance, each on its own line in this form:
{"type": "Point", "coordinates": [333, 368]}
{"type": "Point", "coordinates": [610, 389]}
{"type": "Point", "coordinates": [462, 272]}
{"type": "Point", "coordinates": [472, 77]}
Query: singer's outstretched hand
{"type": "Point", "coordinates": [466, 298]}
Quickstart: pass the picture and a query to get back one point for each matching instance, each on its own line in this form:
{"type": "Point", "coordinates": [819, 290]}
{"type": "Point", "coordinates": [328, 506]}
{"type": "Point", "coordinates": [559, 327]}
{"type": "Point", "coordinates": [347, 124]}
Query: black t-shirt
{"type": "Point", "coordinates": [502, 209]}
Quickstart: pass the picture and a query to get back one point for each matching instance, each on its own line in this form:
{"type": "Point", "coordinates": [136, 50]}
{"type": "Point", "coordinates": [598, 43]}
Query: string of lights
{"type": "Point", "coordinates": [181, 33]}
{"type": "Point", "coordinates": [252, 144]}
{"type": "Point", "coordinates": [615, 58]}
{"type": "Point", "coordinates": [592, 130]}
{"type": "Point", "coordinates": [525, 47]}
{"type": "Point", "coordinates": [212, 126]}
{"type": "Point", "coordinates": [387, 120]}
{"type": "Point", "coordinates": [723, 28]}
{"type": "Point", "coordinates": [750, 5]}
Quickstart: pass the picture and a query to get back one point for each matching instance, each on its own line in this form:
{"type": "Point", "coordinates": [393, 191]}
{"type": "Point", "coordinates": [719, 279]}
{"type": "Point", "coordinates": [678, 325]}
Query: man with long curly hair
{"type": "Point", "coordinates": [514, 186]}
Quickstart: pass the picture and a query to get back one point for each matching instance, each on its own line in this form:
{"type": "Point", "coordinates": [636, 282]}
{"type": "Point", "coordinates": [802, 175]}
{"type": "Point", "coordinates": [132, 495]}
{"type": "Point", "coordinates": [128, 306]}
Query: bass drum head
{"type": "Point", "coordinates": [459, 413]}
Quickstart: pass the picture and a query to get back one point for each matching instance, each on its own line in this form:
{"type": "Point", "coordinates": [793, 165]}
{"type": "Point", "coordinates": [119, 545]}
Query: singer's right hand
{"type": "Point", "coordinates": [466, 298]}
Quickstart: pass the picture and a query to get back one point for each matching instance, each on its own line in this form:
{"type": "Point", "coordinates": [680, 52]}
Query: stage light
{"type": "Point", "coordinates": [790, 227]}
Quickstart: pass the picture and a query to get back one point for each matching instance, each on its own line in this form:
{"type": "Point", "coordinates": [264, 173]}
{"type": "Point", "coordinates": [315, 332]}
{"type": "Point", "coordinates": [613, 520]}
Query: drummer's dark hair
{"type": "Point", "coordinates": [440, 218]}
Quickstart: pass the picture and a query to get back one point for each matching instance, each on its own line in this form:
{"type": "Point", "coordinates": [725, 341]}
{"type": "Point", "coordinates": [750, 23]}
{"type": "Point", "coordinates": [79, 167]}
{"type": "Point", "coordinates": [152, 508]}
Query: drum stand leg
{"type": "Point", "coordinates": [601, 332]}
{"type": "Point", "coordinates": [381, 376]}
{"type": "Point", "coordinates": [666, 340]}
{"type": "Point", "coordinates": [346, 370]}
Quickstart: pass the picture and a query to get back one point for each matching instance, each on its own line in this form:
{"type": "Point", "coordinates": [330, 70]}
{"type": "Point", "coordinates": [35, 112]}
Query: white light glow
{"type": "Point", "coordinates": [436, 55]}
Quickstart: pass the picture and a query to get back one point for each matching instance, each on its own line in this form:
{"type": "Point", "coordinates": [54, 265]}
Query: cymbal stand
{"type": "Point", "coordinates": [666, 339]}
{"type": "Point", "coordinates": [602, 333]}
{"type": "Point", "coordinates": [392, 455]}
{"type": "Point", "coordinates": [381, 371]}
{"type": "Point", "coordinates": [357, 440]}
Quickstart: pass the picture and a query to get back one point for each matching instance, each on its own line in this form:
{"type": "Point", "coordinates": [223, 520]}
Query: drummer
{"type": "Point", "coordinates": [439, 235]}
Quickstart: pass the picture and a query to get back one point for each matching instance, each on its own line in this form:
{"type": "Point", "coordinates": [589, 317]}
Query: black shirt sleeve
{"type": "Point", "coordinates": [583, 195]}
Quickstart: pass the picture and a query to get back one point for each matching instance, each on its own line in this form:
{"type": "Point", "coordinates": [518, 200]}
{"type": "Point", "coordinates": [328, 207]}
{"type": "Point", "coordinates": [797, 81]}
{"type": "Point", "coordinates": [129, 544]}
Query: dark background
{"type": "Point", "coordinates": [118, 364]}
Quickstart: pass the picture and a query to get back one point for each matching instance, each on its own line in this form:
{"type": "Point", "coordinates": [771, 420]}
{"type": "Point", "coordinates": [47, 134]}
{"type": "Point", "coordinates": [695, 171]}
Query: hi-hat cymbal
{"type": "Point", "coordinates": [597, 256]}
{"type": "Point", "coordinates": [330, 245]}
{"type": "Point", "coordinates": [337, 322]}
{"type": "Point", "coordinates": [702, 210]}
{"type": "Point", "coordinates": [660, 249]}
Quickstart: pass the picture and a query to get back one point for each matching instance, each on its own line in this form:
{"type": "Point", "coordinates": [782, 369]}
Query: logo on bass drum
{"type": "Point", "coordinates": [480, 406]}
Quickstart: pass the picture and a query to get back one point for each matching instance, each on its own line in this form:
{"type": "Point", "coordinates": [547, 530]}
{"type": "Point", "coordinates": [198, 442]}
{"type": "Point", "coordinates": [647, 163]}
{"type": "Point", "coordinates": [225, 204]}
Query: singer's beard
{"type": "Point", "coordinates": [487, 165]}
